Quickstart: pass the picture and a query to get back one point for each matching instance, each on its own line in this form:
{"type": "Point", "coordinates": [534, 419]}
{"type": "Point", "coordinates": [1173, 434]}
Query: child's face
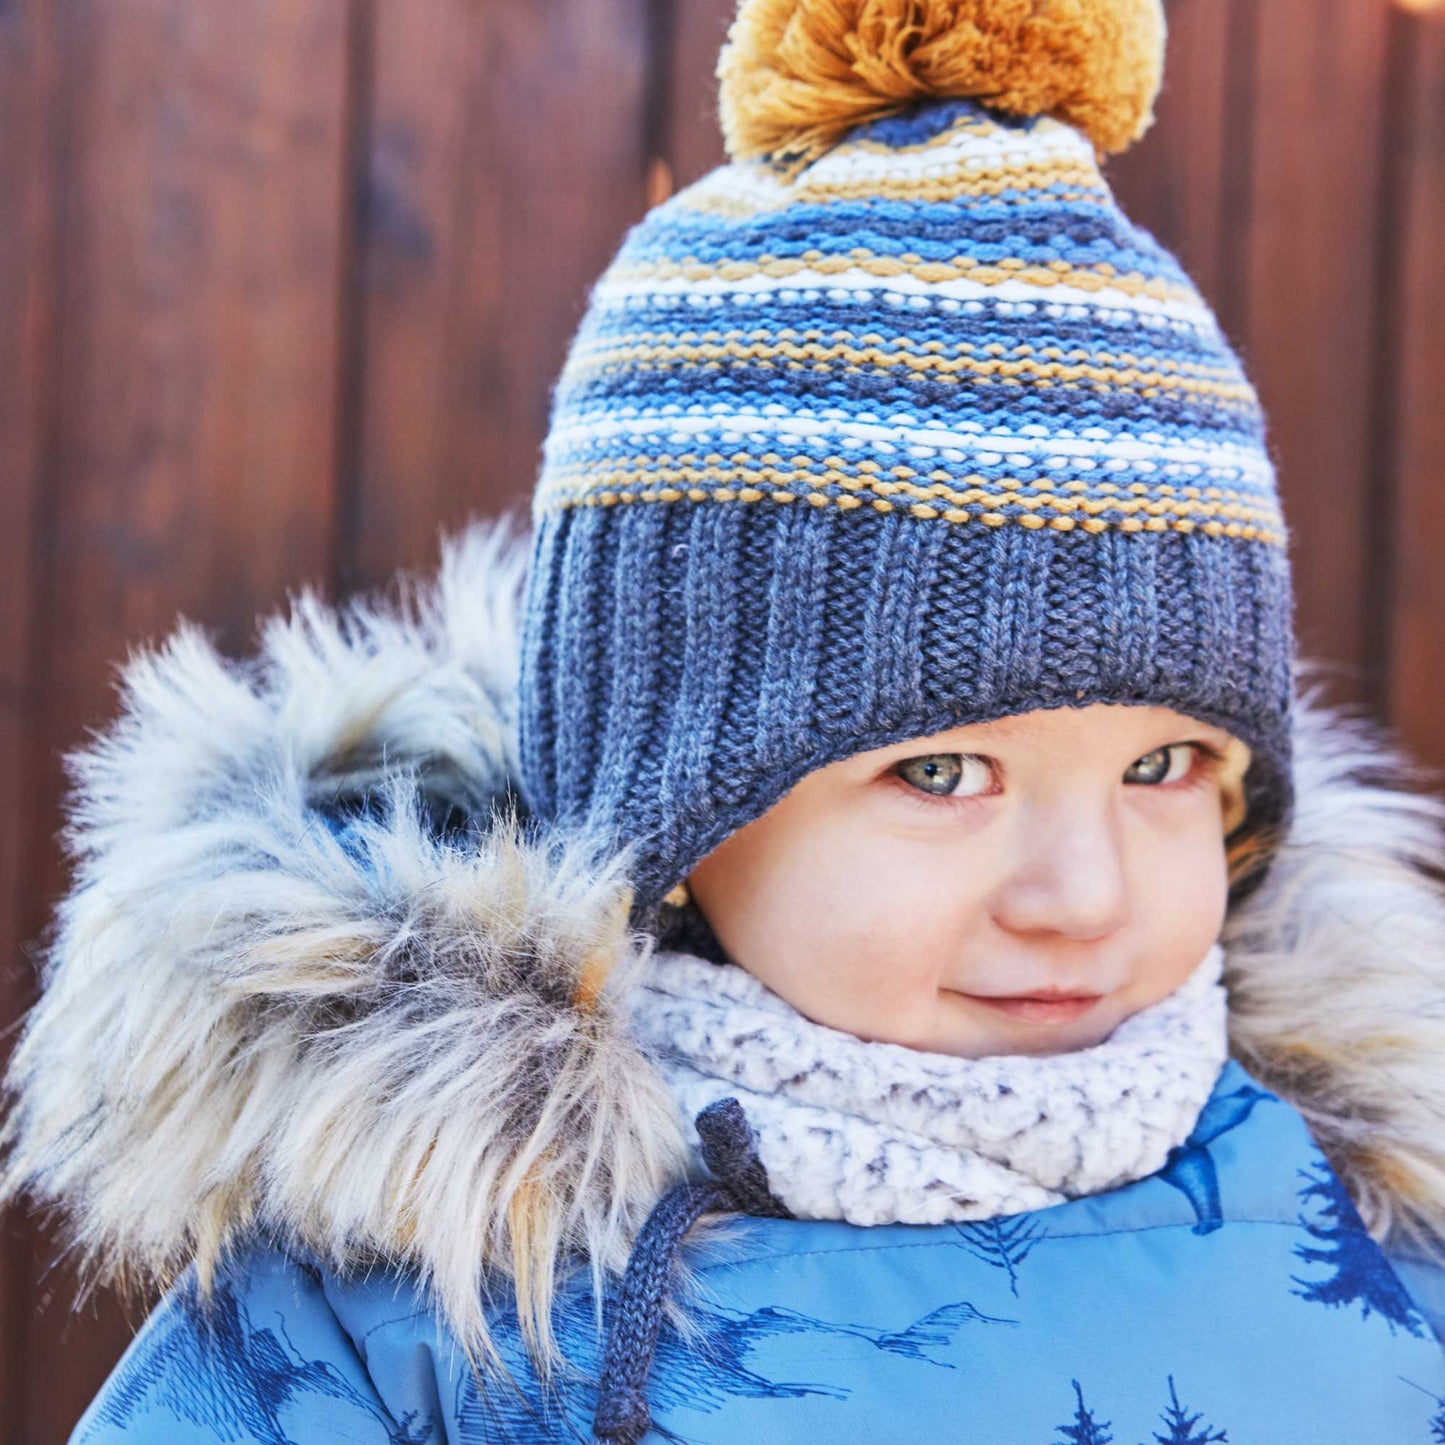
{"type": "Point", "coordinates": [1073, 849]}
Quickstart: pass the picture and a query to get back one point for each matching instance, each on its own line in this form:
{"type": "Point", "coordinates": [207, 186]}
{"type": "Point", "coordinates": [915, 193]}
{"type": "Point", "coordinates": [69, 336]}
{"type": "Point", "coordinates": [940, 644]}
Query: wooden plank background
{"type": "Point", "coordinates": [284, 286]}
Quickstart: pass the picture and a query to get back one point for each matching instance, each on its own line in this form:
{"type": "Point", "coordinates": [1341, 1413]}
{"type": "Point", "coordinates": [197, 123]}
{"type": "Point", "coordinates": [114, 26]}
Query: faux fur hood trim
{"type": "Point", "coordinates": [319, 977]}
{"type": "Point", "coordinates": [1336, 973]}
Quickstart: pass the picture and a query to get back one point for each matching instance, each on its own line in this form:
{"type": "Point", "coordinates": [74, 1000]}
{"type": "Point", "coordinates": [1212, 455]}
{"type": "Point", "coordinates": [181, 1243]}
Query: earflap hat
{"type": "Point", "coordinates": [893, 423]}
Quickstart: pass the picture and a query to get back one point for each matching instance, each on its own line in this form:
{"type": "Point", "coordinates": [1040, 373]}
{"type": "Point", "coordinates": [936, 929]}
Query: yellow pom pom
{"type": "Point", "coordinates": [796, 74]}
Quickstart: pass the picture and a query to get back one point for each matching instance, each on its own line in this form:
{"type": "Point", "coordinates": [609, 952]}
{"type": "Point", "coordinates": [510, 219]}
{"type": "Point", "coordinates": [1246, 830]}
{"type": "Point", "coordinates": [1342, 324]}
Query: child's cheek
{"type": "Point", "coordinates": [1178, 893]}
{"type": "Point", "coordinates": [864, 949]}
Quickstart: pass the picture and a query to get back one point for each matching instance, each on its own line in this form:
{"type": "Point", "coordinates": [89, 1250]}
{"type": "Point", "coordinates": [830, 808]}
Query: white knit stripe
{"type": "Point", "coordinates": [957, 155]}
{"type": "Point", "coordinates": [966, 446]}
{"type": "Point", "coordinates": [1108, 304]}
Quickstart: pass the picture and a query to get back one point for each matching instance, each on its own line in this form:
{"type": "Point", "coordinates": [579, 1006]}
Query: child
{"type": "Point", "coordinates": [873, 952]}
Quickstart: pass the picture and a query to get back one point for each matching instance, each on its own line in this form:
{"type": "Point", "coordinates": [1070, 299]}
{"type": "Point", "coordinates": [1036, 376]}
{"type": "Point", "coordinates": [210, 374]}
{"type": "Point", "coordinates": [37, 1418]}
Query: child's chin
{"type": "Point", "coordinates": [1044, 1048]}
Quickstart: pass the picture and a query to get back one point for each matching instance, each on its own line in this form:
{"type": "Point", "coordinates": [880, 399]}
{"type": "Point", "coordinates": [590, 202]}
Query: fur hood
{"type": "Point", "coordinates": [319, 977]}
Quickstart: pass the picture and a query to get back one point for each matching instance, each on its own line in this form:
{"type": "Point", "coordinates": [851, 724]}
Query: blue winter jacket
{"type": "Point", "coordinates": [1235, 1295]}
{"type": "Point", "coordinates": [323, 1020]}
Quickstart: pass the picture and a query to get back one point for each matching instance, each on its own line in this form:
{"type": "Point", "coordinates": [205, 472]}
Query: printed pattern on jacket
{"type": "Point", "coordinates": [1234, 1296]}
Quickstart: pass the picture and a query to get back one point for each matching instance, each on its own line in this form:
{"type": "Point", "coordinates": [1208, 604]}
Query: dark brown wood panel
{"type": "Point", "coordinates": [1172, 181]}
{"type": "Point", "coordinates": [28, 183]}
{"type": "Point", "coordinates": [1412, 436]}
{"type": "Point", "coordinates": [508, 154]}
{"type": "Point", "coordinates": [1311, 230]}
{"type": "Point", "coordinates": [192, 390]}
{"type": "Point", "coordinates": [689, 143]}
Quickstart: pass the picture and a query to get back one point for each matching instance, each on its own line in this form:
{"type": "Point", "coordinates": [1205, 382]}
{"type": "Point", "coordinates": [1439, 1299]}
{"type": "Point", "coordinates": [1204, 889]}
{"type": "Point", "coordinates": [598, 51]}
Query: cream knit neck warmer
{"type": "Point", "coordinates": [878, 1133]}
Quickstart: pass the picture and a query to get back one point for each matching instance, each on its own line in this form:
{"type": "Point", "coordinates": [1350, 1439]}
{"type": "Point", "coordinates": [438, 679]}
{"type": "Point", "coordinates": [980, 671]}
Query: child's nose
{"type": "Point", "coordinates": [1068, 878]}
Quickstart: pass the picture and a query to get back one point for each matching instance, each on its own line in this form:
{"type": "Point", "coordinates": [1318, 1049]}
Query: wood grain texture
{"type": "Point", "coordinates": [688, 139]}
{"type": "Point", "coordinates": [506, 157]}
{"type": "Point", "coordinates": [1309, 320]}
{"type": "Point", "coordinates": [1173, 181]}
{"type": "Point", "coordinates": [190, 383]}
{"type": "Point", "coordinates": [1413, 429]}
{"type": "Point", "coordinates": [28, 186]}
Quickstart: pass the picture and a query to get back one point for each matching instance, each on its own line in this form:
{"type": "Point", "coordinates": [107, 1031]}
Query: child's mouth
{"type": "Point", "coordinates": [1042, 1010]}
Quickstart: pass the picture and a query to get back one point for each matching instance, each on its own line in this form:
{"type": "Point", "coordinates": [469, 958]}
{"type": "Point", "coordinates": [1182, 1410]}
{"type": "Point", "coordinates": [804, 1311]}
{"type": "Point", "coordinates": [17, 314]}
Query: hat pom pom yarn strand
{"type": "Point", "coordinates": [796, 74]}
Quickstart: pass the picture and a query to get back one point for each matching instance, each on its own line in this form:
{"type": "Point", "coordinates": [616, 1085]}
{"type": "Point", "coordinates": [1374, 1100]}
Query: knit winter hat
{"type": "Point", "coordinates": [892, 424]}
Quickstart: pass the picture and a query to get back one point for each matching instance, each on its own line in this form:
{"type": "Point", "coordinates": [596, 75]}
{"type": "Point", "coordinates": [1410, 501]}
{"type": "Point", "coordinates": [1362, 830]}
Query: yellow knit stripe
{"type": "Point", "coordinates": [624, 478]}
{"type": "Point", "coordinates": [1246, 531]}
{"type": "Point", "coordinates": [763, 335]}
{"type": "Point", "coordinates": [1100, 276]}
{"type": "Point", "coordinates": [964, 180]}
{"type": "Point", "coordinates": [975, 485]}
{"type": "Point", "coordinates": [812, 355]}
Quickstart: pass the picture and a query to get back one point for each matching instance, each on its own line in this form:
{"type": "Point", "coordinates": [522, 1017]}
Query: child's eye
{"type": "Point", "coordinates": [948, 775]}
{"type": "Point", "coordinates": [1164, 765]}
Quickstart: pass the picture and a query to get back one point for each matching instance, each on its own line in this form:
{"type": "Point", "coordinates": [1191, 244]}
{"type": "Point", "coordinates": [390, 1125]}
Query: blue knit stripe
{"type": "Point", "coordinates": [587, 591]}
{"type": "Point", "coordinates": [634, 697]}
{"type": "Point", "coordinates": [903, 226]}
{"type": "Point", "coordinates": [1041, 239]}
{"type": "Point", "coordinates": [709, 644]}
{"type": "Point", "coordinates": [1096, 325]}
{"type": "Point", "coordinates": [537, 672]}
{"type": "Point", "coordinates": [788, 675]}
{"type": "Point", "coordinates": [659, 368]}
{"type": "Point", "coordinates": [932, 120]}
{"type": "Point", "coordinates": [1036, 227]}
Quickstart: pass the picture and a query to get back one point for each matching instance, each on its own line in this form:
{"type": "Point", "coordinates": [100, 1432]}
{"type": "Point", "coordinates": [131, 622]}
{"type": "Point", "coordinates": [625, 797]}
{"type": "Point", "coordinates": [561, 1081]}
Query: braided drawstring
{"type": "Point", "coordinates": [739, 1185]}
